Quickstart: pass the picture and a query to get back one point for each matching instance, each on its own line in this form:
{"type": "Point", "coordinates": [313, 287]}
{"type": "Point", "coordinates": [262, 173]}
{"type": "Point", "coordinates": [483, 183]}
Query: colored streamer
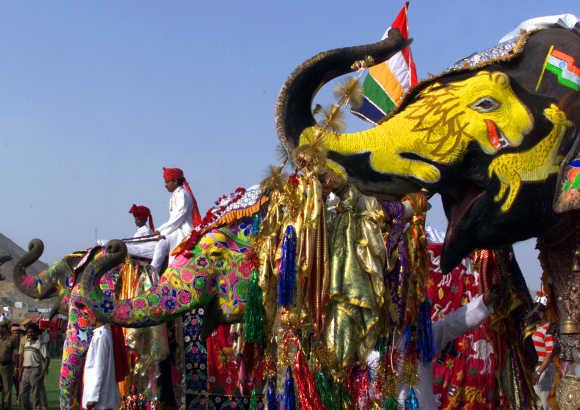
{"type": "Point", "coordinates": [289, 395]}
{"type": "Point", "coordinates": [307, 395]}
{"type": "Point", "coordinates": [271, 395]}
{"type": "Point", "coordinates": [287, 276]}
{"type": "Point", "coordinates": [325, 391]}
{"type": "Point", "coordinates": [411, 402]}
{"type": "Point", "coordinates": [425, 342]}
{"type": "Point", "coordinates": [390, 404]}
{"type": "Point", "coordinates": [254, 314]}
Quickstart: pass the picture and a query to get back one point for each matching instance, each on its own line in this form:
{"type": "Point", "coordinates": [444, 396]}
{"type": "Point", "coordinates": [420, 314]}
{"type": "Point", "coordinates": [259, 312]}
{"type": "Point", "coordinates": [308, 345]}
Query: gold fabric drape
{"type": "Point", "coordinates": [356, 283]}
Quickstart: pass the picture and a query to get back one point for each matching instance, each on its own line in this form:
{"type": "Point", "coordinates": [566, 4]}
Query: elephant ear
{"type": "Point", "coordinates": [567, 196]}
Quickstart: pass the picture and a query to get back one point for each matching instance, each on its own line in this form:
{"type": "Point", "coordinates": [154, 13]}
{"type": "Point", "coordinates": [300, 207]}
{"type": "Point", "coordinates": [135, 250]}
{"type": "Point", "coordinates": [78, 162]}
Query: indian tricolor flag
{"type": "Point", "coordinates": [562, 65]}
{"type": "Point", "coordinates": [387, 82]}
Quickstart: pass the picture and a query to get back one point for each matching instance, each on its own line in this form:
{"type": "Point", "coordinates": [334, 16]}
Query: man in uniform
{"type": "Point", "coordinates": [8, 347]}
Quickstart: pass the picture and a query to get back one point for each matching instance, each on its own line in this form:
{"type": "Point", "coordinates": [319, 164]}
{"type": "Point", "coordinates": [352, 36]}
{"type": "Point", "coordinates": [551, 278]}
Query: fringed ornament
{"type": "Point", "coordinates": [410, 376]}
{"type": "Point", "coordinates": [332, 118]}
{"type": "Point", "coordinates": [390, 384]}
{"type": "Point", "coordinates": [256, 223]}
{"type": "Point", "coordinates": [307, 394]}
{"type": "Point", "coordinates": [254, 314]}
{"type": "Point", "coordinates": [287, 275]}
{"type": "Point", "coordinates": [325, 391]}
{"type": "Point", "coordinates": [390, 404]}
{"type": "Point", "coordinates": [411, 402]}
{"type": "Point", "coordinates": [289, 394]}
{"type": "Point", "coordinates": [344, 400]}
{"type": "Point", "coordinates": [253, 401]}
{"type": "Point", "coordinates": [271, 395]}
{"type": "Point", "coordinates": [425, 342]}
{"type": "Point", "coordinates": [349, 91]}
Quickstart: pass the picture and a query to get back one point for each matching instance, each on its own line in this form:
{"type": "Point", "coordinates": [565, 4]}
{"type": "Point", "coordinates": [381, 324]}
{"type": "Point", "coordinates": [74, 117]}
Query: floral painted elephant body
{"type": "Point", "coordinates": [219, 266]}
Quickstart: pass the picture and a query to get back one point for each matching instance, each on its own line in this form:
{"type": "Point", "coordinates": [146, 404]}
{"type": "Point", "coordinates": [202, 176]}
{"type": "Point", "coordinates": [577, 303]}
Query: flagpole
{"type": "Point", "coordinates": [409, 59]}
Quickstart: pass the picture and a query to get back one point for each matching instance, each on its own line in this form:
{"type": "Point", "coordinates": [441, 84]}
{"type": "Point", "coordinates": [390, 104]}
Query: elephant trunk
{"type": "Point", "coordinates": [41, 286]}
{"type": "Point", "coordinates": [293, 108]}
{"type": "Point", "coordinates": [177, 291]}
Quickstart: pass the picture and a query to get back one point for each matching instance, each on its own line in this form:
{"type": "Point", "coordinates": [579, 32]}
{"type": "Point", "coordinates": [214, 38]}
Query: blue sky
{"type": "Point", "coordinates": [98, 96]}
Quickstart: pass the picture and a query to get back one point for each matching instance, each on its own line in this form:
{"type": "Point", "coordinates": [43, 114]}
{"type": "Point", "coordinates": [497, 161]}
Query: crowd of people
{"type": "Point", "coordinates": [24, 363]}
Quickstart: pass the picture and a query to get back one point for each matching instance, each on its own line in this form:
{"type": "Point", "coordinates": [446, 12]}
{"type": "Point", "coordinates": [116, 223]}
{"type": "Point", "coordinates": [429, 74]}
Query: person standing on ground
{"type": "Point", "coordinates": [17, 334]}
{"type": "Point", "coordinates": [8, 349]}
{"type": "Point", "coordinates": [543, 340]}
{"type": "Point", "coordinates": [100, 391]}
{"type": "Point", "coordinates": [33, 367]}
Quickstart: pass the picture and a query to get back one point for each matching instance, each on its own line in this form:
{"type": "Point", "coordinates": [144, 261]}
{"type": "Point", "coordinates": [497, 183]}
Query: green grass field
{"type": "Point", "coordinates": [50, 384]}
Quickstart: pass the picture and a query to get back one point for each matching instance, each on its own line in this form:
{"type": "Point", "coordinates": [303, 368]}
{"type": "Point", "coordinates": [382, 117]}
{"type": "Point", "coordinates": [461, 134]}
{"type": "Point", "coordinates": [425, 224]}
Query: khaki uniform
{"type": "Point", "coordinates": [8, 346]}
{"type": "Point", "coordinates": [33, 357]}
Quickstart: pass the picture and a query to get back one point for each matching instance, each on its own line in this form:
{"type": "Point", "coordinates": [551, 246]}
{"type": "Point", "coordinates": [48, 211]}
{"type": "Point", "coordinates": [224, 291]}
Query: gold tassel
{"type": "Point", "coordinates": [332, 118]}
{"type": "Point", "coordinates": [349, 91]}
{"type": "Point", "coordinates": [275, 180]}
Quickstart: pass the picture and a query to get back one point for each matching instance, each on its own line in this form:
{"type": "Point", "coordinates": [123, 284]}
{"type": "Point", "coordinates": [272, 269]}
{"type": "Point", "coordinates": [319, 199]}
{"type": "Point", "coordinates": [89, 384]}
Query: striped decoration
{"type": "Point", "coordinates": [387, 82]}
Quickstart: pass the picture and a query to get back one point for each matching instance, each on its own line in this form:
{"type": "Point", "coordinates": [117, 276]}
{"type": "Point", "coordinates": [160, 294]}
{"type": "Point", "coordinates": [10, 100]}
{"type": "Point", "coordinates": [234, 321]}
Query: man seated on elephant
{"type": "Point", "coordinates": [142, 244]}
{"type": "Point", "coordinates": [142, 248]}
{"type": "Point", "coordinates": [183, 216]}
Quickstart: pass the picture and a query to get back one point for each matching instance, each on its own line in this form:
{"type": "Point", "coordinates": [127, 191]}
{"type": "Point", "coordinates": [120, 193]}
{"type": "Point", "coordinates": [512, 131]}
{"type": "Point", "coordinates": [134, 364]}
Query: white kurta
{"type": "Point", "coordinates": [180, 220]}
{"type": "Point", "coordinates": [142, 249]}
{"type": "Point", "coordinates": [177, 228]}
{"type": "Point", "coordinates": [445, 330]}
{"type": "Point", "coordinates": [100, 385]}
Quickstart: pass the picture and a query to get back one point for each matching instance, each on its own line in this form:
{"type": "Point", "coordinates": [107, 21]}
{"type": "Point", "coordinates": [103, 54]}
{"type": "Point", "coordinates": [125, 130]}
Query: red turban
{"type": "Point", "coordinates": [176, 174]}
{"type": "Point", "coordinates": [172, 174]}
{"type": "Point", "coordinates": [143, 213]}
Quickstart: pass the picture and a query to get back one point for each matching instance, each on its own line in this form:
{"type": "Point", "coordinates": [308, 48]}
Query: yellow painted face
{"type": "Point", "coordinates": [436, 128]}
{"type": "Point", "coordinates": [482, 108]}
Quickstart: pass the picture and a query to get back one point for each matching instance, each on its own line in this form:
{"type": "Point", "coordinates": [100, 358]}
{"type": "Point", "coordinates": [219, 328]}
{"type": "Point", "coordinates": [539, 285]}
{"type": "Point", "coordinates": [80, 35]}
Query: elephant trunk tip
{"type": "Point", "coordinates": [35, 251]}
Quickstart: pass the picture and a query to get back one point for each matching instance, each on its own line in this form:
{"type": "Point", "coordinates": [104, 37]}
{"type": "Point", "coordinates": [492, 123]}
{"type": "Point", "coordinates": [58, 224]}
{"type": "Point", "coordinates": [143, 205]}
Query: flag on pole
{"type": "Point", "coordinates": [386, 83]}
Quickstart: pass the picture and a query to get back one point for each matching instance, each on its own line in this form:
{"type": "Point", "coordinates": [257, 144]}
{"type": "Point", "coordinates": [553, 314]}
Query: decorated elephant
{"type": "Point", "coordinates": [496, 135]}
{"type": "Point", "coordinates": [60, 280]}
{"type": "Point", "coordinates": [219, 266]}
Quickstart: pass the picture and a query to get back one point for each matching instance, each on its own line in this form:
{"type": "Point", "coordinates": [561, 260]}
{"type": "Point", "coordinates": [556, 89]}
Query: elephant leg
{"type": "Point", "coordinates": [79, 331]}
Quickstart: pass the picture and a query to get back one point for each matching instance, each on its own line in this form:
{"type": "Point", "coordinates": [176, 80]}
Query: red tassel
{"type": "Point", "coordinates": [306, 391]}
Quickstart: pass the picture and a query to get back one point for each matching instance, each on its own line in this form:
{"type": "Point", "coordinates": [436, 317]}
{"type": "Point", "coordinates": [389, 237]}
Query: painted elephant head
{"type": "Point", "coordinates": [56, 280]}
{"type": "Point", "coordinates": [218, 267]}
{"type": "Point", "coordinates": [488, 135]}
{"type": "Point", "coordinates": [60, 279]}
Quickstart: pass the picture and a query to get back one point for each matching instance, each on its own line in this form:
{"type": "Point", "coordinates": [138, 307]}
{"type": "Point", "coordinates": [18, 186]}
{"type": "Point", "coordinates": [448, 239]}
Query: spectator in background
{"type": "Point", "coordinates": [33, 367]}
{"type": "Point", "coordinates": [8, 348]}
{"type": "Point", "coordinates": [543, 340]}
{"type": "Point", "coordinates": [17, 333]}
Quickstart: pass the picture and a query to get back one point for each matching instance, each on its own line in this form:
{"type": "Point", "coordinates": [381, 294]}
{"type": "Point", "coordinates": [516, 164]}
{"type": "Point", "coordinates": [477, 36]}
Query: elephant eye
{"type": "Point", "coordinates": [485, 104]}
